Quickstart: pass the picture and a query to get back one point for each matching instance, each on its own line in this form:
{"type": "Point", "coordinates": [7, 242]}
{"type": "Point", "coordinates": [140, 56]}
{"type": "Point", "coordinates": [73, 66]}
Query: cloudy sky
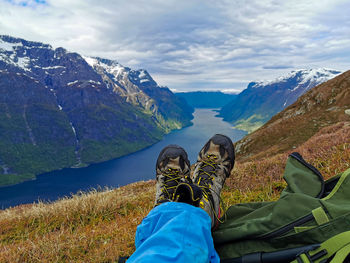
{"type": "Point", "coordinates": [192, 44]}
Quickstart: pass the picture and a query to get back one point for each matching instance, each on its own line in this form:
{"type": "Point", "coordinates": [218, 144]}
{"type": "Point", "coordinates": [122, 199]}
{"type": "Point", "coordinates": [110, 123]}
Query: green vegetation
{"type": "Point", "coordinates": [103, 151]}
{"type": "Point", "coordinates": [100, 226]}
{"type": "Point", "coordinates": [50, 144]}
{"type": "Point", "coordinates": [30, 160]}
{"type": "Point", "coordinates": [9, 179]}
{"type": "Point", "coordinates": [251, 124]}
{"type": "Point", "coordinates": [26, 158]}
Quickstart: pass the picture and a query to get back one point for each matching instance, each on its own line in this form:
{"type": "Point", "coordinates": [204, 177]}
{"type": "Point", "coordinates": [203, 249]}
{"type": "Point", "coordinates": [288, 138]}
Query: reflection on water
{"type": "Point", "coordinates": [131, 168]}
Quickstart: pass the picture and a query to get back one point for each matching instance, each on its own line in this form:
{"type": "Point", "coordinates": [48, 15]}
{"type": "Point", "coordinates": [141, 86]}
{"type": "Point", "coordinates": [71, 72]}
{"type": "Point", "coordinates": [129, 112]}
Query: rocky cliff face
{"type": "Point", "coordinates": [261, 100]}
{"type": "Point", "coordinates": [56, 110]}
{"type": "Point", "coordinates": [138, 88]}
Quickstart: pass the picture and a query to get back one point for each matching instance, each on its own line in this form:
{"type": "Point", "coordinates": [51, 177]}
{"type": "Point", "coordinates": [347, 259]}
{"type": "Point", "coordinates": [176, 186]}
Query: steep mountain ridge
{"type": "Point", "coordinates": [95, 120]}
{"type": "Point", "coordinates": [322, 106]}
{"type": "Point", "coordinates": [139, 89]}
{"type": "Point", "coordinates": [261, 100]}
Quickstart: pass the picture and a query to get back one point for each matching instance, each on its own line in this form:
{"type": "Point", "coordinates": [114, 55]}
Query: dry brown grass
{"type": "Point", "coordinates": [90, 227]}
{"type": "Point", "coordinates": [100, 226]}
{"type": "Point", "coordinates": [261, 179]}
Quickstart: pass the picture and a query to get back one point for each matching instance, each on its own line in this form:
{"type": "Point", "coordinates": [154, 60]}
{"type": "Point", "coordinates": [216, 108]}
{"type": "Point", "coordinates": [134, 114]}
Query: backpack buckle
{"type": "Point", "coordinates": [305, 257]}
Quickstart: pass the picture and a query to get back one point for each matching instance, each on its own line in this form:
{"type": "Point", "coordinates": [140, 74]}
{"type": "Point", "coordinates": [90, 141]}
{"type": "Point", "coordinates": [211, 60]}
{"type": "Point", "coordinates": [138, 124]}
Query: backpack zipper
{"type": "Point", "coordinates": [281, 231]}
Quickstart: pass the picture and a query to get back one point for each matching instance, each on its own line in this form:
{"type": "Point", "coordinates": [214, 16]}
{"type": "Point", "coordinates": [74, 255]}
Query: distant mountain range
{"type": "Point", "coordinates": [59, 109]}
{"type": "Point", "coordinates": [322, 106]}
{"type": "Point", "coordinates": [261, 100]}
{"type": "Point", "coordinates": [206, 99]}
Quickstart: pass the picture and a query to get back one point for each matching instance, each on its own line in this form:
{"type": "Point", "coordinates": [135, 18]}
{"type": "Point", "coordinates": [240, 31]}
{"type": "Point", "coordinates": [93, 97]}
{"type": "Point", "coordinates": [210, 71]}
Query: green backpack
{"type": "Point", "coordinates": [310, 211]}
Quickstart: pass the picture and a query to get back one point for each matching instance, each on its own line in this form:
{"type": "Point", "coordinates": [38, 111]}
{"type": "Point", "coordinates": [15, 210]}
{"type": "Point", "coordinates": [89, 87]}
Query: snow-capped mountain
{"type": "Point", "coordinates": [263, 99]}
{"type": "Point", "coordinates": [138, 88]}
{"type": "Point", "coordinates": [323, 107]}
{"type": "Point", "coordinates": [303, 76]}
{"type": "Point", "coordinates": [58, 109]}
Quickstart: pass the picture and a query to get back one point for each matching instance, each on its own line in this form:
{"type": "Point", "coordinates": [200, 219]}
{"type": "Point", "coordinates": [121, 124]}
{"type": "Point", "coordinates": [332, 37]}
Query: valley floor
{"type": "Point", "coordinates": [100, 226]}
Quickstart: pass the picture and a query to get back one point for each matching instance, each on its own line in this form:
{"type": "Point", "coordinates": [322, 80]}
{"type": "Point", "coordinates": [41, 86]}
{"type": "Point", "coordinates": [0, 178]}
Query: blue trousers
{"type": "Point", "coordinates": [175, 232]}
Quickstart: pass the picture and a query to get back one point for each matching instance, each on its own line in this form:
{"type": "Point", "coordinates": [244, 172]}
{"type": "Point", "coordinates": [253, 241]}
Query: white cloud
{"type": "Point", "coordinates": [188, 44]}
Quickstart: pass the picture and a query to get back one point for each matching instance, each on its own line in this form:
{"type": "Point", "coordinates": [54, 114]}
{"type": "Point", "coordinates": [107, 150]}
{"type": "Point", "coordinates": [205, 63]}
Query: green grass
{"type": "Point", "coordinates": [101, 151]}
{"type": "Point", "coordinates": [250, 124]}
{"type": "Point", "coordinates": [29, 160]}
{"type": "Point", "coordinates": [9, 179]}
{"type": "Point", "coordinates": [100, 226]}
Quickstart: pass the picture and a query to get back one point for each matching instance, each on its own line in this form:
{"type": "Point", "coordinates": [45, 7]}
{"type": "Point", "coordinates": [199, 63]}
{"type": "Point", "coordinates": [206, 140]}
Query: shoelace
{"type": "Point", "coordinates": [206, 182]}
{"type": "Point", "coordinates": [170, 176]}
{"type": "Point", "coordinates": [205, 176]}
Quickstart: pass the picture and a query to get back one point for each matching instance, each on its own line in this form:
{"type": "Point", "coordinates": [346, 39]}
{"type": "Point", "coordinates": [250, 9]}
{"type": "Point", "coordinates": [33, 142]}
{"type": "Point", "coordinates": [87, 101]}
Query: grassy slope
{"type": "Point", "coordinates": [320, 107]}
{"type": "Point", "coordinates": [100, 226]}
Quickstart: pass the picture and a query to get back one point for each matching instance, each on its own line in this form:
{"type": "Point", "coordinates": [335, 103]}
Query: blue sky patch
{"type": "Point", "coordinates": [27, 2]}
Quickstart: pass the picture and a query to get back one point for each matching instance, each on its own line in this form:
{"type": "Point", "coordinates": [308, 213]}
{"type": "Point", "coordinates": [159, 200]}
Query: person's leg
{"type": "Point", "coordinates": [175, 232]}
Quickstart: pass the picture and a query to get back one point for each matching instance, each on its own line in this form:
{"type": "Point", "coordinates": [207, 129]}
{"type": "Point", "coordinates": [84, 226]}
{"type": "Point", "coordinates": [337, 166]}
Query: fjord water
{"type": "Point", "coordinates": [118, 172]}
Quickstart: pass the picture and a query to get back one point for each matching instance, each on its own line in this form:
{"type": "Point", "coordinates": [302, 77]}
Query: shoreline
{"type": "Point", "coordinates": [85, 165]}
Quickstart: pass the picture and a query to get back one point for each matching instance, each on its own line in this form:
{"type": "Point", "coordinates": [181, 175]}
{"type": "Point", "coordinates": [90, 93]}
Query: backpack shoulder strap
{"type": "Point", "coordinates": [341, 255]}
{"type": "Point", "coordinates": [338, 245]}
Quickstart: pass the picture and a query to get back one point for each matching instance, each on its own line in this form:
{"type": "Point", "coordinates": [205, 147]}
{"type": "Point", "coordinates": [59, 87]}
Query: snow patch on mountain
{"type": "Point", "coordinates": [91, 61]}
{"type": "Point", "coordinates": [113, 68]}
{"type": "Point", "coordinates": [23, 63]}
{"type": "Point", "coordinates": [320, 75]}
{"type": "Point", "coordinates": [54, 67]}
{"type": "Point", "coordinates": [94, 82]}
{"type": "Point", "coordinates": [118, 71]}
{"type": "Point", "coordinates": [72, 82]}
{"type": "Point", "coordinates": [303, 76]}
{"type": "Point", "coordinates": [9, 46]}
{"type": "Point", "coordinates": [20, 62]}
{"type": "Point", "coordinates": [142, 74]}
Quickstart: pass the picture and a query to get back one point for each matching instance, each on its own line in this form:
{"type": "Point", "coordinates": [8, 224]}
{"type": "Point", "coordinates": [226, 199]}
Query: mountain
{"type": "Point", "coordinates": [206, 99]}
{"type": "Point", "coordinates": [317, 124]}
{"type": "Point", "coordinates": [261, 100]}
{"type": "Point", "coordinates": [65, 228]}
{"type": "Point", "coordinates": [56, 110]}
{"type": "Point", "coordinates": [324, 105]}
{"type": "Point", "coordinates": [139, 89]}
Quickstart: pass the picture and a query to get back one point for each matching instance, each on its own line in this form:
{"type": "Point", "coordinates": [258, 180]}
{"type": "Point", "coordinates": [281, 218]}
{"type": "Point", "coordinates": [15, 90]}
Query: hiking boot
{"type": "Point", "coordinates": [172, 168]}
{"type": "Point", "coordinates": [214, 164]}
